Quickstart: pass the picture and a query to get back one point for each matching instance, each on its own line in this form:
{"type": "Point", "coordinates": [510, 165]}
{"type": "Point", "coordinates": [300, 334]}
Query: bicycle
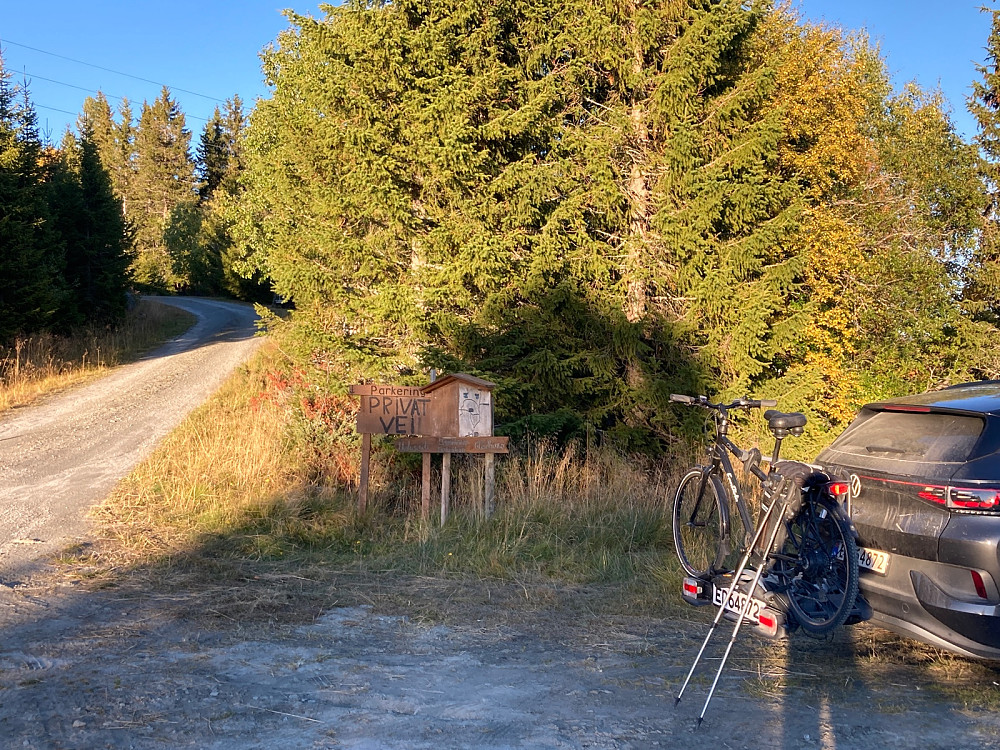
{"type": "Point", "coordinates": [799, 557]}
{"type": "Point", "coordinates": [815, 559]}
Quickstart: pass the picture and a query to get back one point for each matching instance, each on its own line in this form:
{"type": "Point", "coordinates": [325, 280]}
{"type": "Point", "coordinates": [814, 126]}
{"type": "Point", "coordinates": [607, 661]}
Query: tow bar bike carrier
{"type": "Point", "coordinates": [744, 608]}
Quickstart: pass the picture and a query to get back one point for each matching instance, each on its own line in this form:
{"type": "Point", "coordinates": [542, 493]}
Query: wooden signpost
{"type": "Point", "coordinates": [450, 415]}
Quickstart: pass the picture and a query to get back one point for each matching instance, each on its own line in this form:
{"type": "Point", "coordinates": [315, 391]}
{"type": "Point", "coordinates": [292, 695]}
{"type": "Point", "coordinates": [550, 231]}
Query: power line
{"type": "Point", "coordinates": [53, 109]}
{"type": "Point", "coordinates": [32, 76]}
{"type": "Point", "coordinates": [110, 70]}
{"type": "Point", "coordinates": [77, 114]}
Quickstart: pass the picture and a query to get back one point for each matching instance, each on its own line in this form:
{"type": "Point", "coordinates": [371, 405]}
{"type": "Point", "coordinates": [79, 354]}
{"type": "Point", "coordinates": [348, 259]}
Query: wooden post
{"type": "Point", "coordinates": [425, 487]}
{"type": "Point", "coordinates": [490, 482]}
{"type": "Point", "coordinates": [366, 457]}
{"type": "Point", "coordinates": [445, 485]}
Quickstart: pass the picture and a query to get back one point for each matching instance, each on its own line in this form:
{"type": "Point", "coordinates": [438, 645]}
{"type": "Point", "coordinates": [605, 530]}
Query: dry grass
{"type": "Point", "coordinates": [237, 494]}
{"type": "Point", "coordinates": [35, 366]}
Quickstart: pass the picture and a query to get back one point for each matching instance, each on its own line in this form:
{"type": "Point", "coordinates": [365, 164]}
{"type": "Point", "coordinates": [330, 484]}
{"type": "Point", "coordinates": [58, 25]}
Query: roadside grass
{"type": "Point", "coordinates": [236, 493]}
{"type": "Point", "coordinates": [44, 363]}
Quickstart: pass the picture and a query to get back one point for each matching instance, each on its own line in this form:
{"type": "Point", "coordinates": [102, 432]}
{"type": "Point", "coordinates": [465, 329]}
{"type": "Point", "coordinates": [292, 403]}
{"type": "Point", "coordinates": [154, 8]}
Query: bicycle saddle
{"type": "Point", "coordinates": [785, 423]}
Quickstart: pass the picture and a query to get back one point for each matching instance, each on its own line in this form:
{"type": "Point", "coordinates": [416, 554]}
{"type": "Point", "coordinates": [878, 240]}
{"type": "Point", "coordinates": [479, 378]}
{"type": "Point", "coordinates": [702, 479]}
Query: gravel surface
{"type": "Point", "coordinates": [124, 671]}
{"type": "Point", "coordinates": [127, 666]}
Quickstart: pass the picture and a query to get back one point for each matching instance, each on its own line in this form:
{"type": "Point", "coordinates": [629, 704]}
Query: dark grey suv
{"type": "Point", "coordinates": [925, 498]}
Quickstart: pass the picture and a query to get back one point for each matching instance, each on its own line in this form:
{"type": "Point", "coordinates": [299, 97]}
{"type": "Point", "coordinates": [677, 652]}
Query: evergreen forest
{"type": "Point", "coordinates": [591, 204]}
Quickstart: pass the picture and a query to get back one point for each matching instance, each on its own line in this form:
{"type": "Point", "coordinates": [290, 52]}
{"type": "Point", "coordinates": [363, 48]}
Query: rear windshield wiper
{"type": "Point", "coordinates": [884, 449]}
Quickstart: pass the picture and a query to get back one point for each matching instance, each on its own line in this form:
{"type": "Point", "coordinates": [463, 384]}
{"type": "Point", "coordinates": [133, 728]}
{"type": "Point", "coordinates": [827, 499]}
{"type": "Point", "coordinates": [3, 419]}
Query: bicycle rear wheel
{"type": "Point", "coordinates": [699, 523]}
{"type": "Point", "coordinates": [819, 559]}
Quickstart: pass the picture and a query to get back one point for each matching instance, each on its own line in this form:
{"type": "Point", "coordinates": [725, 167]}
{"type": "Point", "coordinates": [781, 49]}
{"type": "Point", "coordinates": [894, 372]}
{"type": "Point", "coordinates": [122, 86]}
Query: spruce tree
{"type": "Point", "coordinates": [500, 188]}
{"type": "Point", "coordinates": [107, 240]}
{"type": "Point", "coordinates": [31, 287]}
{"type": "Point", "coordinates": [113, 140]}
{"type": "Point", "coordinates": [982, 290]}
{"type": "Point", "coordinates": [163, 182]}
{"type": "Point", "coordinates": [212, 157]}
{"type": "Point", "coordinates": [596, 204]}
{"type": "Point", "coordinates": [213, 254]}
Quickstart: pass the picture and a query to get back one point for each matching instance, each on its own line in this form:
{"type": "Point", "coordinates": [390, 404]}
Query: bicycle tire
{"type": "Point", "coordinates": [699, 540]}
{"type": "Point", "coordinates": [820, 559]}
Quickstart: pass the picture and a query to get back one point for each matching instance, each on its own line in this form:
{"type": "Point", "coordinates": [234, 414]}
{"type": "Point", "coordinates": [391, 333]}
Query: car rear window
{"type": "Point", "coordinates": [915, 443]}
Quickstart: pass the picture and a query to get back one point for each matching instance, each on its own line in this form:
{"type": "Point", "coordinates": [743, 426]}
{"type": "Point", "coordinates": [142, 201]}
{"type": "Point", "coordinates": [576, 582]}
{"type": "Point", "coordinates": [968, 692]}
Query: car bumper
{"type": "Point", "coordinates": [917, 599]}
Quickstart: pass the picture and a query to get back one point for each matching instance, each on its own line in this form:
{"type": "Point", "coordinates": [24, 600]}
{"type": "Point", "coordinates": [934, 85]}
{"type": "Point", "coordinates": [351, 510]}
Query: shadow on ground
{"type": "Point", "coordinates": [251, 655]}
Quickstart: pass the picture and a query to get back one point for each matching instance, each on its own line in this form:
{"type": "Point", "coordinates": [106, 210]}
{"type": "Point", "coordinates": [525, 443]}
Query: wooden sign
{"type": "Point", "coordinates": [451, 415]}
{"type": "Point", "coordinates": [392, 409]}
{"type": "Point", "coordinates": [452, 445]}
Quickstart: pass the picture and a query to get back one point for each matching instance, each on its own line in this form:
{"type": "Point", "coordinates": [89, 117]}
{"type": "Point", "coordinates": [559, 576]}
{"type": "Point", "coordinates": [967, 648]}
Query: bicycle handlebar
{"type": "Point", "coordinates": [681, 399]}
{"type": "Point", "coordinates": [740, 403]}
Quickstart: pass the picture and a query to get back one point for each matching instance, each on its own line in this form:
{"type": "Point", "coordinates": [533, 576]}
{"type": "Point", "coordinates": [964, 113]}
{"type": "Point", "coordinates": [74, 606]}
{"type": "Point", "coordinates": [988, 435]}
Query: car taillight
{"type": "Point", "coordinates": [937, 495]}
{"type": "Point", "coordinates": [974, 498]}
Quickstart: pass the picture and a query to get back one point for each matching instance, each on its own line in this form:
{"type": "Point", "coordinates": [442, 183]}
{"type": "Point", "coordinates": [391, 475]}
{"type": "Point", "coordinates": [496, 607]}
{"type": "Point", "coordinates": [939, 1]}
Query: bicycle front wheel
{"type": "Point", "coordinates": [820, 559]}
{"type": "Point", "coordinates": [699, 523]}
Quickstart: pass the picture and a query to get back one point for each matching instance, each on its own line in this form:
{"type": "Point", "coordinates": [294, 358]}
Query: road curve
{"type": "Point", "coordinates": [60, 457]}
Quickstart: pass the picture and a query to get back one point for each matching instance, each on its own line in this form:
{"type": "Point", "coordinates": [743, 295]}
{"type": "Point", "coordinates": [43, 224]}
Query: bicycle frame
{"type": "Point", "coordinates": [720, 464]}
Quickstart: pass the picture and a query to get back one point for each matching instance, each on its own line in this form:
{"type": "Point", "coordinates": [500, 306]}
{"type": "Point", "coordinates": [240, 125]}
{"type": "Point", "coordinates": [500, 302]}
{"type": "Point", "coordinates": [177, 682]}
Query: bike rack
{"type": "Point", "coordinates": [744, 610]}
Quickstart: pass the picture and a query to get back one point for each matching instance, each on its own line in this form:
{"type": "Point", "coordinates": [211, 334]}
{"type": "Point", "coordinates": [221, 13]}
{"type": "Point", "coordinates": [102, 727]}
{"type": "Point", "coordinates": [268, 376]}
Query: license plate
{"type": "Point", "coordinates": [873, 559]}
{"type": "Point", "coordinates": [736, 601]}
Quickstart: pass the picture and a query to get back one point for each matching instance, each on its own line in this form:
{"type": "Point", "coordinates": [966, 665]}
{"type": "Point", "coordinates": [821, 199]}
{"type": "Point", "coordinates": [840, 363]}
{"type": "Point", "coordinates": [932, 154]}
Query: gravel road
{"type": "Point", "coordinates": [62, 456]}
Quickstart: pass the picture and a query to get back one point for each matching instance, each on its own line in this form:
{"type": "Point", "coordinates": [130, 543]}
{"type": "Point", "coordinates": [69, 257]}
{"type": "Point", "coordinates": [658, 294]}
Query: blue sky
{"type": "Point", "coordinates": [935, 43]}
{"type": "Point", "coordinates": [206, 50]}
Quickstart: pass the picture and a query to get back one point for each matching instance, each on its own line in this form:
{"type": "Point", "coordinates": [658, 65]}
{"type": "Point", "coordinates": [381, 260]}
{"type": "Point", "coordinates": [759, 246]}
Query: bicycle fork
{"type": "Point", "coordinates": [744, 609]}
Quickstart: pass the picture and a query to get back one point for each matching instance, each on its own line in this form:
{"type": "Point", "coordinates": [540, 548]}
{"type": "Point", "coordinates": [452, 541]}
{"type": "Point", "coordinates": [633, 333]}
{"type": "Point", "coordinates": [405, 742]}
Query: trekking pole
{"type": "Point", "coordinates": [722, 607]}
{"type": "Point", "coordinates": [743, 610]}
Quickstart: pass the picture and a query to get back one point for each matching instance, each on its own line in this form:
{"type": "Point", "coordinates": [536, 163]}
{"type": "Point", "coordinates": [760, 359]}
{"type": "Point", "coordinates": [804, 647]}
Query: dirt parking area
{"type": "Point", "coordinates": [414, 663]}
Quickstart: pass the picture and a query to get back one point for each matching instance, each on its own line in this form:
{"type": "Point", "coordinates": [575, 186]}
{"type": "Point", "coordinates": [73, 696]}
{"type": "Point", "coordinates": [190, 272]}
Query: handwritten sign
{"type": "Point", "coordinates": [391, 409]}
{"type": "Point", "coordinates": [451, 415]}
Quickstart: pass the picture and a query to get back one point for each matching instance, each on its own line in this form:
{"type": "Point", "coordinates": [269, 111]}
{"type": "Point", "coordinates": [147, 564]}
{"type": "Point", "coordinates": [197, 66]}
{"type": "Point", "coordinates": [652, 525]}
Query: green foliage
{"type": "Point", "coordinates": [30, 288]}
{"type": "Point", "coordinates": [65, 247]}
{"type": "Point", "coordinates": [594, 205]}
{"type": "Point", "coordinates": [443, 186]}
{"type": "Point", "coordinates": [981, 294]}
{"type": "Point", "coordinates": [174, 203]}
{"type": "Point", "coordinates": [99, 252]}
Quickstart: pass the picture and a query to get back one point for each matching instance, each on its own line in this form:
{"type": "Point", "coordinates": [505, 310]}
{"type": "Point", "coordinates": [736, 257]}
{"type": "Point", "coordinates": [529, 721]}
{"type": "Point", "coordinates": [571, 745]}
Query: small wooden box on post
{"type": "Point", "coordinates": [450, 415]}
